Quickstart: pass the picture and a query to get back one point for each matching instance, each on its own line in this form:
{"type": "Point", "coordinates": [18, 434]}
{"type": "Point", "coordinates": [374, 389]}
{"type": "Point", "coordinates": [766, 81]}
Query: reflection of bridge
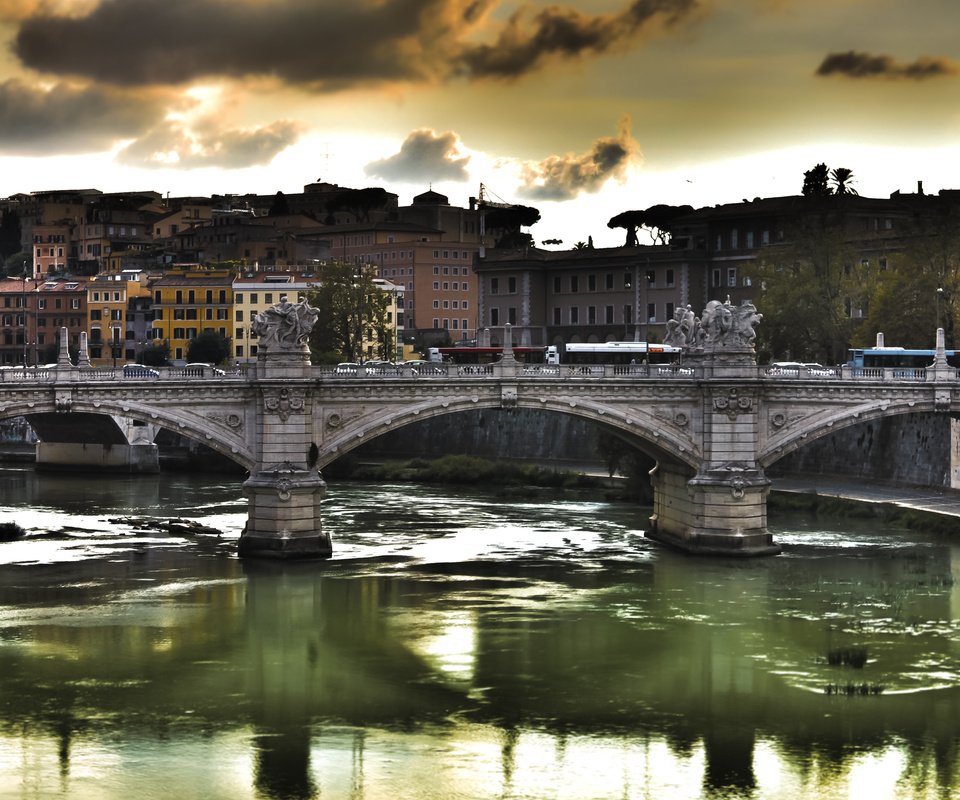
{"type": "Point", "coordinates": [713, 426]}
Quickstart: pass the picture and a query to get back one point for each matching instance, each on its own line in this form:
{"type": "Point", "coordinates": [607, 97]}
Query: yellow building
{"type": "Point", "coordinates": [112, 334]}
{"type": "Point", "coordinates": [189, 302]}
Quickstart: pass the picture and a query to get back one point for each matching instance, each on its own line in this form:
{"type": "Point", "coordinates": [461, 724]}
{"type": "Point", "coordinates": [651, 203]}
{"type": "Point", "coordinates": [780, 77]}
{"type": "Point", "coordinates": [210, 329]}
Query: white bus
{"type": "Point", "coordinates": [615, 353]}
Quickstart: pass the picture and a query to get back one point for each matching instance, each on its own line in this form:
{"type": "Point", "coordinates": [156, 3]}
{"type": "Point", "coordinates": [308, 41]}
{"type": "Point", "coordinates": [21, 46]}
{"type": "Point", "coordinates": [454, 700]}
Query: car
{"type": "Point", "coordinates": [139, 371]}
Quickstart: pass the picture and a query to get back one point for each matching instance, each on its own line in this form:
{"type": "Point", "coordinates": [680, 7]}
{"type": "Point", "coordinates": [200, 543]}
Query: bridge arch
{"type": "Point", "coordinates": [650, 433]}
{"type": "Point", "coordinates": [218, 437]}
{"type": "Point", "coordinates": [823, 425]}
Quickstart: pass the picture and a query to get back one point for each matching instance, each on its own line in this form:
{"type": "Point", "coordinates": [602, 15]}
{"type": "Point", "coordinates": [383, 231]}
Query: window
{"type": "Point", "coordinates": [882, 263]}
{"type": "Point", "coordinates": [574, 283]}
{"type": "Point", "coordinates": [731, 276]}
{"type": "Point", "coordinates": [591, 315]}
{"type": "Point", "coordinates": [574, 315]}
{"type": "Point", "coordinates": [556, 284]}
{"type": "Point", "coordinates": [239, 317]}
{"type": "Point", "coordinates": [608, 315]}
{"type": "Point", "coordinates": [669, 311]}
{"type": "Point", "coordinates": [268, 297]}
{"type": "Point", "coordinates": [556, 315]}
{"type": "Point", "coordinates": [627, 280]}
{"type": "Point", "coordinates": [512, 315]}
{"type": "Point", "coordinates": [715, 278]}
{"type": "Point", "coordinates": [734, 239]}
{"type": "Point", "coordinates": [609, 281]}
{"type": "Point", "coordinates": [238, 298]}
{"type": "Point", "coordinates": [628, 315]}
{"type": "Point", "coordinates": [512, 285]}
{"type": "Point", "coordinates": [651, 275]}
{"type": "Point", "coordinates": [670, 279]}
{"type": "Point", "coordinates": [253, 297]}
{"type": "Point", "coordinates": [494, 286]}
{"type": "Point", "coordinates": [651, 312]}
{"type": "Point", "coordinates": [749, 240]}
{"type": "Point", "coordinates": [191, 296]}
{"type": "Point", "coordinates": [765, 237]}
{"type": "Point", "coordinates": [494, 316]}
{"type": "Point", "coordinates": [591, 283]}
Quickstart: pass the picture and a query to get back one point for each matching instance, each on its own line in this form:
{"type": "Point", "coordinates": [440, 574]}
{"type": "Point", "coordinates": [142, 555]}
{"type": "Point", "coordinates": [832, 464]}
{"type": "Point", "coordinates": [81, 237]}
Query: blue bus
{"type": "Point", "coordinates": [897, 358]}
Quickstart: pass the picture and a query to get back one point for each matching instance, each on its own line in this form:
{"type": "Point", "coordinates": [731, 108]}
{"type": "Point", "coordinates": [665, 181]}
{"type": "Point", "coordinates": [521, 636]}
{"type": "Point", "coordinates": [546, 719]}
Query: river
{"type": "Point", "coordinates": [464, 645]}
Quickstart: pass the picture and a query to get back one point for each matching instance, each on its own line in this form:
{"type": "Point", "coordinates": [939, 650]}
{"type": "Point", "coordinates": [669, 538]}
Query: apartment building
{"type": "Point", "coordinates": [188, 302]}
{"type": "Point", "coordinates": [428, 253]}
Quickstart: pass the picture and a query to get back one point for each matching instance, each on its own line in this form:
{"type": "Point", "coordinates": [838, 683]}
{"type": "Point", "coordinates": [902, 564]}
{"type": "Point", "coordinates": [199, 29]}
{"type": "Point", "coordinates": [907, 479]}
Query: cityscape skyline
{"type": "Point", "coordinates": [582, 110]}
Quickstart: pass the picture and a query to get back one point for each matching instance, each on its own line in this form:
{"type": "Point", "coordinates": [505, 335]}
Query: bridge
{"type": "Point", "coordinates": [714, 424]}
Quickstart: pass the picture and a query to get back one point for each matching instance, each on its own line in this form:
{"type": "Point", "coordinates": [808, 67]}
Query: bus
{"type": "Point", "coordinates": [897, 358]}
{"type": "Point", "coordinates": [472, 354]}
{"type": "Point", "coordinates": [620, 353]}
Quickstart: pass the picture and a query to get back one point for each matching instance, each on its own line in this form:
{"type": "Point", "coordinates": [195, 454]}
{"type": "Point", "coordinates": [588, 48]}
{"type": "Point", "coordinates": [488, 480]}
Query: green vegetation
{"type": "Point", "coordinates": [354, 311]}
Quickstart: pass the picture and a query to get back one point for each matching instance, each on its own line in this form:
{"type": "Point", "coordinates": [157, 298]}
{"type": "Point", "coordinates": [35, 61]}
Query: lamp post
{"type": "Point", "coordinates": [939, 301]}
{"type": "Point", "coordinates": [23, 309]}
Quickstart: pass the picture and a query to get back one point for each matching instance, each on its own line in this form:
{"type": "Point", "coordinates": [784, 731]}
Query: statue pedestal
{"type": "Point", "coordinates": [284, 516]}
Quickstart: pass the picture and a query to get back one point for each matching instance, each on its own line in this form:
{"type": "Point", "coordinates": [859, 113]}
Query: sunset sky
{"type": "Point", "coordinates": [581, 109]}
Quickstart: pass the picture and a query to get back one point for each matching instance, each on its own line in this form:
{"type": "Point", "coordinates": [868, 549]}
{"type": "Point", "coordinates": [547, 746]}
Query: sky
{"type": "Point", "coordinates": [581, 109]}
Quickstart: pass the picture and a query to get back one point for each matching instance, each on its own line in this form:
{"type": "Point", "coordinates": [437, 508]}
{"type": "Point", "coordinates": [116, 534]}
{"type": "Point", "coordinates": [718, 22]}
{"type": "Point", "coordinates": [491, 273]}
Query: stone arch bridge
{"type": "Point", "coordinates": [714, 425]}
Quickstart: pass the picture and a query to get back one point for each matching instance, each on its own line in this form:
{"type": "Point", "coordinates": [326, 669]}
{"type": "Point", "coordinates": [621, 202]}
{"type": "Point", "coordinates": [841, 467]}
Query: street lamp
{"type": "Point", "coordinates": [939, 301]}
{"type": "Point", "coordinates": [23, 309]}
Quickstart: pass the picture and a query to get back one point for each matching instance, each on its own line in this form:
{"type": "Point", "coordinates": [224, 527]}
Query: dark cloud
{"type": "Point", "coordinates": [66, 119]}
{"type": "Point", "coordinates": [565, 177]}
{"type": "Point", "coordinates": [323, 44]}
{"type": "Point", "coordinates": [863, 65]}
{"type": "Point", "coordinates": [566, 33]}
{"type": "Point", "coordinates": [424, 156]}
{"type": "Point", "coordinates": [172, 145]}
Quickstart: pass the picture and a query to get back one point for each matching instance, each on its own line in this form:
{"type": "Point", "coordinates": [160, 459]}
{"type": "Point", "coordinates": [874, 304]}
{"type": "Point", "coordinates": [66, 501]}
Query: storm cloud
{"type": "Point", "coordinates": [864, 65]}
{"type": "Point", "coordinates": [35, 120]}
{"type": "Point", "coordinates": [565, 33]}
{"type": "Point", "coordinates": [172, 145]}
{"type": "Point", "coordinates": [323, 45]}
{"type": "Point", "coordinates": [565, 177]}
{"type": "Point", "coordinates": [424, 156]}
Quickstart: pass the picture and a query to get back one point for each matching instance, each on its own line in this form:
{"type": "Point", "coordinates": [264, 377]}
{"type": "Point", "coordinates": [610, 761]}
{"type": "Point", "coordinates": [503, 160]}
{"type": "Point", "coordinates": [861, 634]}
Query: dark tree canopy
{"type": "Point", "coordinates": [279, 207]}
{"type": "Point", "coordinates": [816, 181]}
{"type": "Point", "coordinates": [505, 224]}
{"type": "Point", "coordinates": [9, 234]}
{"type": "Point", "coordinates": [658, 218]}
{"type": "Point", "coordinates": [512, 218]}
{"type": "Point", "coordinates": [631, 220]}
{"type": "Point", "coordinates": [354, 315]}
{"type": "Point", "coordinates": [359, 202]}
{"type": "Point", "coordinates": [209, 347]}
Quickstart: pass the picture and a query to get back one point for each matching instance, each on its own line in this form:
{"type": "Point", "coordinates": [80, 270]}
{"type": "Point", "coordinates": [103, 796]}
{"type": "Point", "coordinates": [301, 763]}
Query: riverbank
{"type": "Point", "coordinates": [915, 507]}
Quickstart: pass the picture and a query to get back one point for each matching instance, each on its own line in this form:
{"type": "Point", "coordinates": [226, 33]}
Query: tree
{"type": "Point", "coordinates": [841, 178]}
{"type": "Point", "coordinates": [18, 264]}
{"type": "Point", "coordinates": [630, 220]}
{"type": "Point", "coordinates": [359, 202]}
{"type": "Point", "coordinates": [279, 207]}
{"type": "Point", "coordinates": [920, 289]}
{"type": "Point", "coordinates": [210, 347]}
{"type": "Point", "coordinates": [808, 289]}
{"type": "Point", "coordinates": [816, 181]}
{"type": "Point", "coordinates": [9, 233]}
{"type": "Point", "coordinates": [156, 354]}
{"type": "Point", "coordinates": [505, 223]}
{"type": "Point", "coordinates": [353, 322]}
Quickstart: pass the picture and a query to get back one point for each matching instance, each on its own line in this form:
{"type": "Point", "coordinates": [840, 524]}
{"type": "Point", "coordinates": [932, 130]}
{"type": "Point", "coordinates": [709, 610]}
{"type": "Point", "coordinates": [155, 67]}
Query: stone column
{"type": "Point", "coordinates": [284, 489]}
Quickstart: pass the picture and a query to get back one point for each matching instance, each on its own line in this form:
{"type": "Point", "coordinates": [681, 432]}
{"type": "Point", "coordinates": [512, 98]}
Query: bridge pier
{"type": "Point", "coordinates": [716, 512]}
{"type": "Point", "coordinates": [284, 490]}
{"type": "Point", "coordinates": [283, 516]}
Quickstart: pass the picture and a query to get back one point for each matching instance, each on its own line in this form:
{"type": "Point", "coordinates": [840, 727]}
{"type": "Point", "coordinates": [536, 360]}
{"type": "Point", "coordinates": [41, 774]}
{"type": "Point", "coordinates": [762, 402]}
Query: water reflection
{"type": "Point", "coordinates": [464, 646]}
